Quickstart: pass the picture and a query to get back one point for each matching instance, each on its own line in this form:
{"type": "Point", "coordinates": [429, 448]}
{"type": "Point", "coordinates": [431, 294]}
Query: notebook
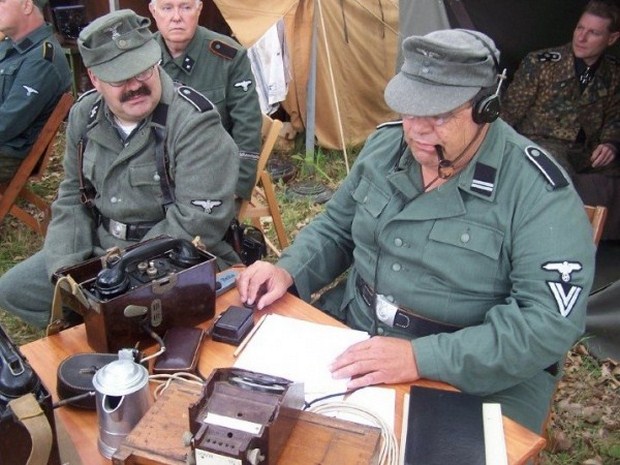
{"type": "Point", "coordinates": [444, 427]}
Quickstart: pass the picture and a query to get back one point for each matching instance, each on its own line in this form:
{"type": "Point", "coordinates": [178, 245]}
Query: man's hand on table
{"type": "Point", "coordinates": [262, 283]}
{"type": "Point", "coordinates": [386, 360]}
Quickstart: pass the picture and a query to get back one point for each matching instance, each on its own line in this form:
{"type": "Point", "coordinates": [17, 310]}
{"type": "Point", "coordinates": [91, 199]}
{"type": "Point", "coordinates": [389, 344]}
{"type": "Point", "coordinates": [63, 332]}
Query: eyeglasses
{"type": "Point", "coordinates": [439, 120]}
{"type": "Point", "coordinates": [140, 77]}
{"type": "Point", "coordinates": [185, 9]}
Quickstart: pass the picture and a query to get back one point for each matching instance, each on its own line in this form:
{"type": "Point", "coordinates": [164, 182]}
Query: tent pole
{"type": "Point", "coordinates": [311, 93]}
{"type": "Point", "coordinates": [113, 5]}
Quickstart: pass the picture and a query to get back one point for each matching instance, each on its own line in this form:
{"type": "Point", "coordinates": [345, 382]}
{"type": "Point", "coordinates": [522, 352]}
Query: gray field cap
{"type": "Point", "coordinates": [441, 71]}
{"type": "Point", "coordinates": [118, 46]}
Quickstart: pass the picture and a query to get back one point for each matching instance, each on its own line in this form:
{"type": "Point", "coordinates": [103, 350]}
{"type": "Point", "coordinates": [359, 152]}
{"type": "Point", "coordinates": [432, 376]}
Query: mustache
{"type": "Point", "coordinates": [142, 90]}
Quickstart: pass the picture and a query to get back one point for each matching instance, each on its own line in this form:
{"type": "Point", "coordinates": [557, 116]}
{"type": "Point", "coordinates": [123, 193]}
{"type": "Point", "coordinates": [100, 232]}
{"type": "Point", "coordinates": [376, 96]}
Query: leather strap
{"type": "Point", "coordinates": [161, 155]}
{"type": "Point", "coordinates": [56, 322]}
{"type": "Point", "coordinates": [29, 413]}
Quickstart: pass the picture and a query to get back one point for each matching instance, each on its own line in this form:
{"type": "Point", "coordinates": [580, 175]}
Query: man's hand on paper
{"type": "Point", "coordinates": [262, 283]}
{"type": "Point", "coordinates": [387, 360]}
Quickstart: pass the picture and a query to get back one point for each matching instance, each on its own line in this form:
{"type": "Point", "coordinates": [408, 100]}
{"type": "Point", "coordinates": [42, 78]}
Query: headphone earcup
{"type": "Point", "coordinates": [486, 109]}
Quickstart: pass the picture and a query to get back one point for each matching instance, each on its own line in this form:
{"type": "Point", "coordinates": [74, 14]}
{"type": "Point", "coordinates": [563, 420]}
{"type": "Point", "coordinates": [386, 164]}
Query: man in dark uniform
{"type": "Point", "coordinates": [218, 67]}
{"type": "Point", "coordinates": [567, 99]}
{"type": "Point", "coordinates": [469, 255]}
{"type": "Point", "coordinates": [33, 75]}
{"type": "Point", "coordinates": [137, 184]}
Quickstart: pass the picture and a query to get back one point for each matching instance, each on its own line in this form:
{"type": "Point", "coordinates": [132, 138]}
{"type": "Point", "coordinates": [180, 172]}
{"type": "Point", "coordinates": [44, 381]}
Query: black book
{"type": "Point", "coordinates": [443, 428]}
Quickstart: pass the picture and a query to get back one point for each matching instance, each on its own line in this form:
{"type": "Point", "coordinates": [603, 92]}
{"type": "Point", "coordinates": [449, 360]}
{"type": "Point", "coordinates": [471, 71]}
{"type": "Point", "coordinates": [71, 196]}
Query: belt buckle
{"type": "Point", "coordinates": [385, 310]}
{"type": "Point", "coordinates": [118, 229]}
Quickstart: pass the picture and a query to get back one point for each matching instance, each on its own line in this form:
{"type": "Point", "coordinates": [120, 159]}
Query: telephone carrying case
{"type": "Point", "coordinates": [18, 380]}
{"type": "Point", "coordinates": [149, 287]}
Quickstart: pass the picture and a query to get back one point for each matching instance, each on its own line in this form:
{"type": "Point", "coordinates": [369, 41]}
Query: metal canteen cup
{"type": "Point", "coordinates": [122, 398]}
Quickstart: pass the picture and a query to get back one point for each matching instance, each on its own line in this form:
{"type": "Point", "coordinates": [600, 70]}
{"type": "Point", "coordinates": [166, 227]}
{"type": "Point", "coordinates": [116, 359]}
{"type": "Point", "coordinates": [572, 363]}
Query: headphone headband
{"type": "Point", "coordinates": [486, 108]}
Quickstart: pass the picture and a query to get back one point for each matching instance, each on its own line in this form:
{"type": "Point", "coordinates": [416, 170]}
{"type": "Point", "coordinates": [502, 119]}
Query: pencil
{"type": "Point", "coordinates": [244, 343]}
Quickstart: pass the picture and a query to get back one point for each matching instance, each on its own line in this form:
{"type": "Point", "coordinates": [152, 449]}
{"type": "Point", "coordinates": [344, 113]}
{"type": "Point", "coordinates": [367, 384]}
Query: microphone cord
{"type": "Point", "coordinates": [446, 168]}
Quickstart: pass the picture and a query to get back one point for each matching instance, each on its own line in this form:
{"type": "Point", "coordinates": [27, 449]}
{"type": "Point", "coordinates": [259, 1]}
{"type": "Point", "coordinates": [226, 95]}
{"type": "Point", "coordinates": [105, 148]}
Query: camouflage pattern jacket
{"type": "Point", "coordinates": [544, 103]}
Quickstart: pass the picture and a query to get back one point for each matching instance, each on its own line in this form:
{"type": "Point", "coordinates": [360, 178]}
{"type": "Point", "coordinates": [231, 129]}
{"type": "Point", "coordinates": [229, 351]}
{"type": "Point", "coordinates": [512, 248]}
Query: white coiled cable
{"type": "Point", "coordinates": [388, 454]}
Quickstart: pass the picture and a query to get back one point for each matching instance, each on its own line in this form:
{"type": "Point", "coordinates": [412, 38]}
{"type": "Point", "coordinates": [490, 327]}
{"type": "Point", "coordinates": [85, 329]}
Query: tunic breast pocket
{"type": "Point", "coordinates": [7, 76]}
{"type": "Point", "coordinates": [467, 254]}
{"type": "Point", "coordinates": [144, 178]}
{"type": "Point", "coordinates": [370, 199]}
{"type": "Point", "coordinates": [216, 95]}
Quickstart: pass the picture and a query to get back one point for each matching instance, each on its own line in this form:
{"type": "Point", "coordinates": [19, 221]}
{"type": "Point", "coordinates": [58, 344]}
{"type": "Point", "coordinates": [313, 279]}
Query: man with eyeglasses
{"type": "Point", "coordinates": [219, 68]}
{"type": "Point", "coordinates": [469, 254]}
{"type": "Point", "coordinates": [144, 157]}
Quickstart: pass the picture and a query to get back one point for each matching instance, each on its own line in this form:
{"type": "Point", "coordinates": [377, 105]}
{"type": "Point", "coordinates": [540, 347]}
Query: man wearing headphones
{"type": "Point", "coordinates": [469, 255]}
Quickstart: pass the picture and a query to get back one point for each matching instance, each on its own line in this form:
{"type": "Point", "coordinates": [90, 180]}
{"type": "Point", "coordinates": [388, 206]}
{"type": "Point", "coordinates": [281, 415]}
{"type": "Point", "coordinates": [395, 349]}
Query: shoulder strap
{"type": "Point", "coordinates": [161, 155]}
{"type": "Point", "coordinates": [29, 413]}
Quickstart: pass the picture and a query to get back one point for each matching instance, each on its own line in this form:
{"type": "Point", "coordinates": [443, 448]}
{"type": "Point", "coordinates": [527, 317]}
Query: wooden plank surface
{"type": "Point", "coordinates": [47, 353]}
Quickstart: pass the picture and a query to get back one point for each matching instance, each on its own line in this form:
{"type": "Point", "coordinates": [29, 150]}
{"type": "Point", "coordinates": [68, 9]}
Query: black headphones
{"type": "Point", "coordinates": [486, 104]}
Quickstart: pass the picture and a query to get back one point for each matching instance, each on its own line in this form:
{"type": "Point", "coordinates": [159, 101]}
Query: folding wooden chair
{"type": "Point", "coordinates": [32, 169]}
{"type": "Point", "coordinates": [597, 214]}
{"type": "Point", "coordinates": [263, 202]}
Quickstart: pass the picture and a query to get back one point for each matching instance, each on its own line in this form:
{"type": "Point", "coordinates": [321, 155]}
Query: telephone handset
{"type": "Point", "coordinates": [146, 262]}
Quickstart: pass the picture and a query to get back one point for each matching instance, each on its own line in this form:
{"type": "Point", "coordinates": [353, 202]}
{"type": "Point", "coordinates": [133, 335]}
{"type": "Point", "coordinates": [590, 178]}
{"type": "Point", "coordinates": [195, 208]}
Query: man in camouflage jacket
{"type": "Point", "coordinates": [566, 98]}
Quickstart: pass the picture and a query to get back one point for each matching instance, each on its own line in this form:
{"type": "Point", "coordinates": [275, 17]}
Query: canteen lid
{"type": "Point", "coordinates": [121, 377]}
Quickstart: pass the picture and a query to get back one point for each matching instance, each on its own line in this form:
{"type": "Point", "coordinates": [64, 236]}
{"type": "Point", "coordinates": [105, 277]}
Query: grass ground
{"type": "Point", "coordinates": [585, 421]}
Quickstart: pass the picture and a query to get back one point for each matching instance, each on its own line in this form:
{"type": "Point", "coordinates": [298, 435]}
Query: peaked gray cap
{"type": "Point", "coordinates": [118, 46]}
{"type": "Point", "coordinates": [441, 71]}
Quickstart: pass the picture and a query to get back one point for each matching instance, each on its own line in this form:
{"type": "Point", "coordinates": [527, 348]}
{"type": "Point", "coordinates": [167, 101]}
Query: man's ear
{"type": "Point", "coordinates": [613, 37]}
{"type": "Point", "coordinates": [93, 79]}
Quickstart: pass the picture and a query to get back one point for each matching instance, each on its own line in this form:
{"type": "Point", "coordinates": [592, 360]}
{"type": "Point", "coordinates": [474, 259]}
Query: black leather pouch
{"type": "Point", "coordinates": [75, 377]}
{"type": "Point", "coordinates": [182, 351]}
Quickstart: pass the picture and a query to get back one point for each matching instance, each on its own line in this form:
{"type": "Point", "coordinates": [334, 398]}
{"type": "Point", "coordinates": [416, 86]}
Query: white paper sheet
{"type": "Point", "coordinates": [300, 351]}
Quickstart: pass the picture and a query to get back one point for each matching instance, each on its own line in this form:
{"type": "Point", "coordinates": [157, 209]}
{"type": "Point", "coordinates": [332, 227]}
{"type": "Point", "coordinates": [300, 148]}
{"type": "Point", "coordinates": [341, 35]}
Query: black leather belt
{"type": "Point", "coordinates": [401, 317]}
{"type": "Point", "coordinates": [127, 231]}
{"type": "Point", "coordinates": [414, 324]}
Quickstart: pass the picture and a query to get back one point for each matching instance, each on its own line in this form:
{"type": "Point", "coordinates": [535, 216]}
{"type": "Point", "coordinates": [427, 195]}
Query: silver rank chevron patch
{"type": "Point", "coordinates": [564, 293]}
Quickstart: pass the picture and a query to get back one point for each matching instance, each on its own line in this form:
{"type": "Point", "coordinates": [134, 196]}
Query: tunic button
{"type": "Point", "coordinates": [380, 331]}
{"type": "Point", "coordinates": [398, 242]}
{"type": "Point", "coordinates": [396, 267]}
{"type": "Point", "coordinates": [465, 238]}
{"type": "Point", "coordinates": [425, 70]}
{"type": "Point", "coordinates": [114, 200]}
{"type": "Point", "coordinates": [365, 199]}
{"type": "Point", "coordinates": [156, 177]}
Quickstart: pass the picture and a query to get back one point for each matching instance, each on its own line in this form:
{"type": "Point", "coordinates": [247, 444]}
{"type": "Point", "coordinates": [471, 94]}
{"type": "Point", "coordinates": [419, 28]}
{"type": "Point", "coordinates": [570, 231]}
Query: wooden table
{"type": "Point", "coordinates": [46, 354]}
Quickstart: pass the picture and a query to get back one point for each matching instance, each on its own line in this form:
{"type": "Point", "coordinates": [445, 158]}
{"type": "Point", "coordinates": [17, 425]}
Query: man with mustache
{"type": "Point", "coordinates": [219, 68]}
{"type": "Point", "coordinates": [469, 254]}
{"type": "Point", "coordinates": [144, 157]}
